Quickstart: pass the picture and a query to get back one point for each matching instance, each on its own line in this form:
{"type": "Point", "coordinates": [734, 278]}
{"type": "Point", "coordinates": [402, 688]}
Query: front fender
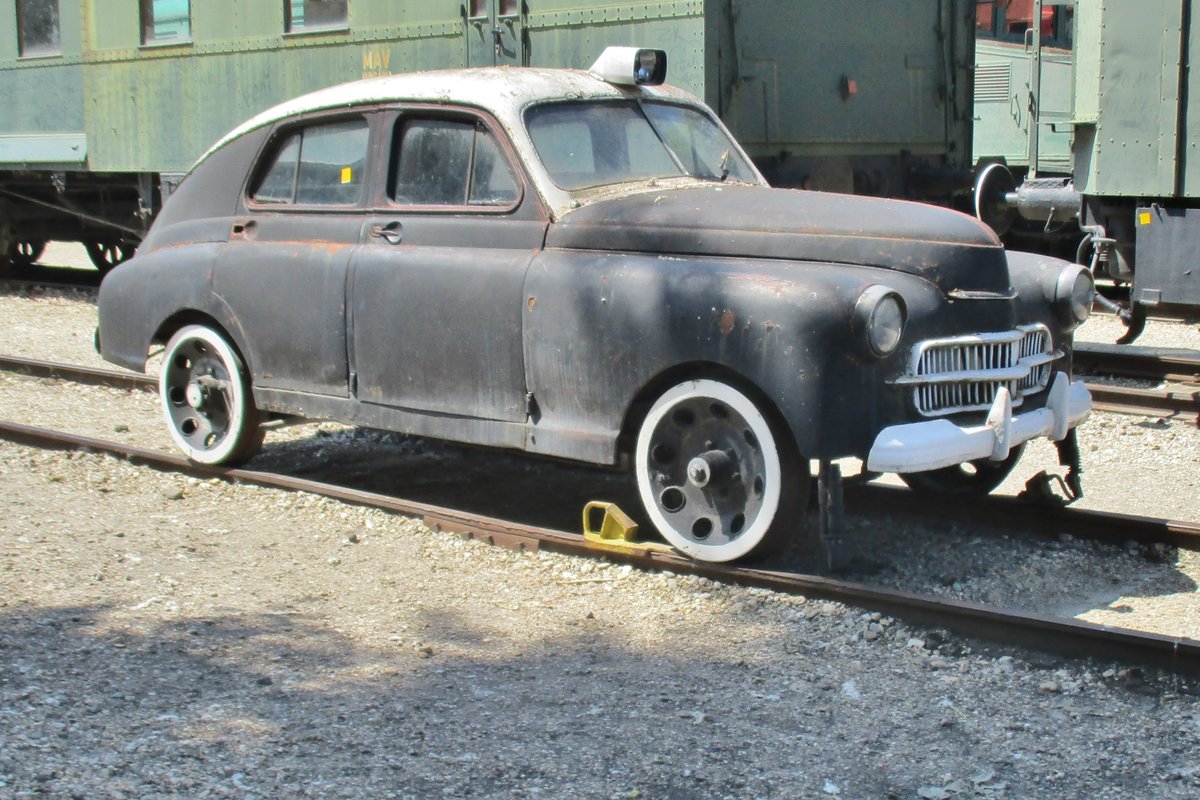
{"type": "Point", "coordinates": [601, 328]}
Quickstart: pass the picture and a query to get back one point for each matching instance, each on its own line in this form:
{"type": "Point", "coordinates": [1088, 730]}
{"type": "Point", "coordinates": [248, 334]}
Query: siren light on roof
{"type": "Point", "coordinates": [631, 66]}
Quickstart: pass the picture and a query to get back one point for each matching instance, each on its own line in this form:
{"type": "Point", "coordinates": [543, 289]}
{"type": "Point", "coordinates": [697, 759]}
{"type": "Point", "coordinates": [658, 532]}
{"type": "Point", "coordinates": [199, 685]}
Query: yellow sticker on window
{"type": "Point", "coordinates": [347, 174]}
{"type": "Point", "coordinates": [1144, 218]}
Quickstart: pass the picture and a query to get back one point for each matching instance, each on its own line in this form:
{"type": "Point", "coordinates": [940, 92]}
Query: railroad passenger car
{"type": "Point", "coordinates": [108, 103]}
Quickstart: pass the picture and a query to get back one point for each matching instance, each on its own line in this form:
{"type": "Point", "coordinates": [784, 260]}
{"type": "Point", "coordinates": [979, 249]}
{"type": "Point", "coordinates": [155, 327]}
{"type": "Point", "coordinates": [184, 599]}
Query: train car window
{"type": "Point", "coordinates": [303, 15]}
{"type": "Point", "coordinates": [437, 162]}
{"type": "Point", "coordinates": [166, 21]}
{"type": "Point", "coordinates": [1009, 20]}
{"type": "Point", "coordinates": [985, 18]}
{"type": "Point", "coordinates": [319, 165]}
{"type": "Point", "coordinates": [509, 8]}
{"type": "Point", "coordinates": [38, 32]}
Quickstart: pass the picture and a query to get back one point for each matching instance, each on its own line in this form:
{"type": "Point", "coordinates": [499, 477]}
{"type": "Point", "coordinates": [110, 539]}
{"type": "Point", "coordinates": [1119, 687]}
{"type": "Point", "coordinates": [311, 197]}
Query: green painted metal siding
{"type": "Point", "coordinates": [158, 108]}
{"type": "Point", "coordinates": [774, 70]}
{"type": "Point", "coordinates": [42, 95]}
{"type": "Point", "coordinates": [573, 34]}
{"type": "Point", "coordinates": [1129, 86]}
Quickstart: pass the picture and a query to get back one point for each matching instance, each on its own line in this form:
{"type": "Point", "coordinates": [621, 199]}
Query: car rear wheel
{"type": "Point", "coordinates": [973, 478]}
{"type": "Point", "coordinates": [714, 477]}
{"type": "Point", "coordinates": [205, 393]}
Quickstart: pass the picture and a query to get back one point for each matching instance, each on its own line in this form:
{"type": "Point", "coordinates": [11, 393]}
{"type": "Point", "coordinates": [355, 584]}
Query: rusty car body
{"type": "Point", "coordinates": [584, 264]}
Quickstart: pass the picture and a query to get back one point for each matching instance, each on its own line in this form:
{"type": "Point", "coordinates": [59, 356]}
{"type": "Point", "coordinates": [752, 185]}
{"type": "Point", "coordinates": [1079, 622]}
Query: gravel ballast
{"type": "Point", "coordinates": [170, 637]}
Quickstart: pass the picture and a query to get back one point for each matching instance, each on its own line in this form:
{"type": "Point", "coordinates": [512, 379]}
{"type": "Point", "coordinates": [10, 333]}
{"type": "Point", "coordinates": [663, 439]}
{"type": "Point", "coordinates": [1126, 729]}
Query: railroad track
{"type": "Point", "coordinates": [1164, 365]}
{"type": "Point", "coordinates": [1183, 405]}
{"type": "Point", "coordinates": [1168, 365]}
{"type": "Point", "coordinates": [51, 277]}
{"type": "Point", "coordinates": [1065, 636]}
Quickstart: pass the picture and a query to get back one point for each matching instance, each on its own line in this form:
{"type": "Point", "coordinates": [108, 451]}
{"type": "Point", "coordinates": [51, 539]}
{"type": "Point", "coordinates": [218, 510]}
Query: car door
{"type": "Point", "coordinates": [283, 272]}
{"type": "Point", "coordinates": [437, 284]}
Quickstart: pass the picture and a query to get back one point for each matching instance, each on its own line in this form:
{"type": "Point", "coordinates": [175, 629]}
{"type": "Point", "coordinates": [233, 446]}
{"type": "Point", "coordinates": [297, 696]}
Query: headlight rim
{"type": "Point", "coordinates": [866, 309]}
{"type": "Point", "coordinates": [1064, 295]}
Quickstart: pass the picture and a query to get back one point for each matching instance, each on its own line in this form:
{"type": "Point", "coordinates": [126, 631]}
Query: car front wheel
{"type": "Point", "coordinates": [205, 393]}
{"type": "Point", "coordinates": [973, 478]}
{"type": "Point", "coordinates": [714, 477]}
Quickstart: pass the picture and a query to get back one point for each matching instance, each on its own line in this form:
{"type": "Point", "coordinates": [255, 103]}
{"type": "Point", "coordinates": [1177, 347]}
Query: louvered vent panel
{"type": "Point", "coordinates": [993, 83]}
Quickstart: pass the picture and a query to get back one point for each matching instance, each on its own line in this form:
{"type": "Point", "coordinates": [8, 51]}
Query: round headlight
{"type": "Point", "coordinates": [879, 318]}
{"type": "Point", "coordinates": [1074, 294]}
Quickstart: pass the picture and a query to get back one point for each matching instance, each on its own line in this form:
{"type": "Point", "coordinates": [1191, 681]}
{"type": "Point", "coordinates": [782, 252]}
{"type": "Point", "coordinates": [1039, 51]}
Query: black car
{"type": "Point", "coordinates": [586, 265]}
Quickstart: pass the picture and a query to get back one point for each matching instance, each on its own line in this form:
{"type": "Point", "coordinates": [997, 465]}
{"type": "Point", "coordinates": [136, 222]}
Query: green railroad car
{"type": "Point", "coordinates": [1091, 110]}
{"type": "Point", "coordinates": [109, 102]}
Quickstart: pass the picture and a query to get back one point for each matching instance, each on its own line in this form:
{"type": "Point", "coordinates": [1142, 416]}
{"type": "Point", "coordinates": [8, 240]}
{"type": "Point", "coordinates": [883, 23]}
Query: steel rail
{"type": "Point", "coordinates": [26, 278]}
{"type": "Point", "coordinates": [1040, 632]}
{"type": "Point", "coordinates": [1172, 365]}
{"type": "Point", "coordinates": [1153, 402]}
{"type": "Point", "coordinates": [1003, 511]}
{"type": "Point", "coordinates": [1015, 513]}
{"type": "Point", "coordinates": [75, 373]}
{"type": "Point", "coordinates": [1183, 405]}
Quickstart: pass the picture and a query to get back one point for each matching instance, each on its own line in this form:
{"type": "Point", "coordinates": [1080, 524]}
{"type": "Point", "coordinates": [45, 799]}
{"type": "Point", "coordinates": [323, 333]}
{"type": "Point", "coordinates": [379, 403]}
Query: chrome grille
{"type": "Point", "coordinates": [964, 373]}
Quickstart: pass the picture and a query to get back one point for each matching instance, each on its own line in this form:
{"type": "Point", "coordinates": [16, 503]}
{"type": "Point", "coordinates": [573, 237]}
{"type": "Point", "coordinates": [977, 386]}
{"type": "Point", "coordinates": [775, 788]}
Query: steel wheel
{"type": "Point", "coordinates": [972, 478]}
{"type": "Point", "coordinates": [711, 473]}
{"type": "Point", "coordinates": [26, 253]}
{"type": "Point", "coordinates": [206, 398]}
{"type": "Point", "coordinates": [107, 254]}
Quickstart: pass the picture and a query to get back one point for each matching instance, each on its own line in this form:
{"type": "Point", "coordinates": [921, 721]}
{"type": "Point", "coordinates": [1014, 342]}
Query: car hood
{"type": "Point", "coordinates": [952, 250]}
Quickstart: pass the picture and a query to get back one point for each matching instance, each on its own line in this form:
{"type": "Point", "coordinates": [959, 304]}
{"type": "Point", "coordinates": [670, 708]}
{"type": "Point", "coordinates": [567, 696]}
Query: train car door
{"type": "Point", "coordinates": [495, 33]}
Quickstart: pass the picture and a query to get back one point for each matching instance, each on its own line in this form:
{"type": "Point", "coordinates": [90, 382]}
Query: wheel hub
{"type": "Point", "coordinates": [200, 390]}
{"type": "Point", "coordinates": [709, 467]}
{"type": "Point", "coordinates": [195, 395]}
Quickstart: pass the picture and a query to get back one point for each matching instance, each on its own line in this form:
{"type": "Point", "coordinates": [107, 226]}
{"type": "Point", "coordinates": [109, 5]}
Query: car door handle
{"type": "Point", "coordinates": [392, 233]}
{"type": "Point", "coordinates": [243, 229]}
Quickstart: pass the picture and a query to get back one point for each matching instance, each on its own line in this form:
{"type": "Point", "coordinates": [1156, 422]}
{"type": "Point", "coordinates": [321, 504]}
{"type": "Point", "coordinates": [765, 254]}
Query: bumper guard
{"type": "Point", "coordinates": [921, 446]}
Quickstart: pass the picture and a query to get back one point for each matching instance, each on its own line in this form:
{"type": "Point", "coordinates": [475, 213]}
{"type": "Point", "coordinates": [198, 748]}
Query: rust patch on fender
{"type": "Point", "coordinates": [727, 321]}
{"type": "Point", "coordinates": [532, 302]}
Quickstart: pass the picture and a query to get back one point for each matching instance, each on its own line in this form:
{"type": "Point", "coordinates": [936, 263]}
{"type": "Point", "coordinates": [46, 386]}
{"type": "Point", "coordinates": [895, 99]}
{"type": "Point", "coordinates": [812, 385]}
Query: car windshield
{"type": "Point", "coordinates": [586, 144]}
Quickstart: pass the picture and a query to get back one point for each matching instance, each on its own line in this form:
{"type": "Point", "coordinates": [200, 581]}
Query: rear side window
{"type": "Point", "coordinates": [438, 162]}
{"type": "Point", "coordinates": [320, 165]}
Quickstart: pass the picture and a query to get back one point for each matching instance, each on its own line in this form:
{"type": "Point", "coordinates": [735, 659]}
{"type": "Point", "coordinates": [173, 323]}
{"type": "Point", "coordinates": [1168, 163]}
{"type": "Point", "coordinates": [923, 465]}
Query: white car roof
{"type": "Point", "coordinates": [504, 92]}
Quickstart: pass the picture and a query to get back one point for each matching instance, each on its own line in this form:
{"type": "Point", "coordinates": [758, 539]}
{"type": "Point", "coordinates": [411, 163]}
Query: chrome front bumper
{"type": "Point", "coordinates": [921, 446]}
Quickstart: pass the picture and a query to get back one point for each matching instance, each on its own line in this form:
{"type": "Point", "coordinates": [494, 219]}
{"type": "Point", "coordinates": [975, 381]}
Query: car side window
{"type": "Point", "coordinates": [439, 162]}
{"type": "Point", "coordinates": [322, 164]}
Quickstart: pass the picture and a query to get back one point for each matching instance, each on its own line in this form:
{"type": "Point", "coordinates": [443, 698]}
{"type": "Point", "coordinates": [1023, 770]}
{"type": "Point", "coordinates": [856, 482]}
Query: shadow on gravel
{"type": "Point", "coordinates": [96, 702]}
{"type": "Point", "coordinates": [83, 278]}
{"type": "Point", "coordinates": [508, 484]}
{"type": "Point", "coordinates": [949, 557]}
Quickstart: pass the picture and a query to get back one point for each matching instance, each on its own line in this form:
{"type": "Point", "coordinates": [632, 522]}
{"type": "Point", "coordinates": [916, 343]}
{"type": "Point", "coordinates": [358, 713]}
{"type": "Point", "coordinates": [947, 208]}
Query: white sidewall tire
{"type": "Point", "coordinates": [754, 534]}
{"type": "Point", "coordinates": [230, 445]}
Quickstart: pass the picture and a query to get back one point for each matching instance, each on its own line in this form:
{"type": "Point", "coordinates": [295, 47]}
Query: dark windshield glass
{"type": "Point", "coordinates": [597, 143]}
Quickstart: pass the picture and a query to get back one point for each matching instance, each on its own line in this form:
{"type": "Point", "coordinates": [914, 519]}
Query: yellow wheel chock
{"type": "Point", "coordinates": [617, 530]}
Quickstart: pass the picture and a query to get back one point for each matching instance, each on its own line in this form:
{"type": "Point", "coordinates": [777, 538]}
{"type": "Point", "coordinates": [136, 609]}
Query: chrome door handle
{"type": "Point", "coordinates": [392, 233]}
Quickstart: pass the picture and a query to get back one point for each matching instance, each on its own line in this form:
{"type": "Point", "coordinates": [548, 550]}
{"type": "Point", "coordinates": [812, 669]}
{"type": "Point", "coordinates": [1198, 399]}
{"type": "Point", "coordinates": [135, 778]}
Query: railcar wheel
{"type": "Point", "coordinates": [974, 478]}
{"type": "Point", "coordinates": [106, 254]}
{"type": "Point", "coordinates": [26, 253]}
{"type": "Point", "coordinates": [205, 393]}
{"type": "Point", "coordinates": [714, 477]}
